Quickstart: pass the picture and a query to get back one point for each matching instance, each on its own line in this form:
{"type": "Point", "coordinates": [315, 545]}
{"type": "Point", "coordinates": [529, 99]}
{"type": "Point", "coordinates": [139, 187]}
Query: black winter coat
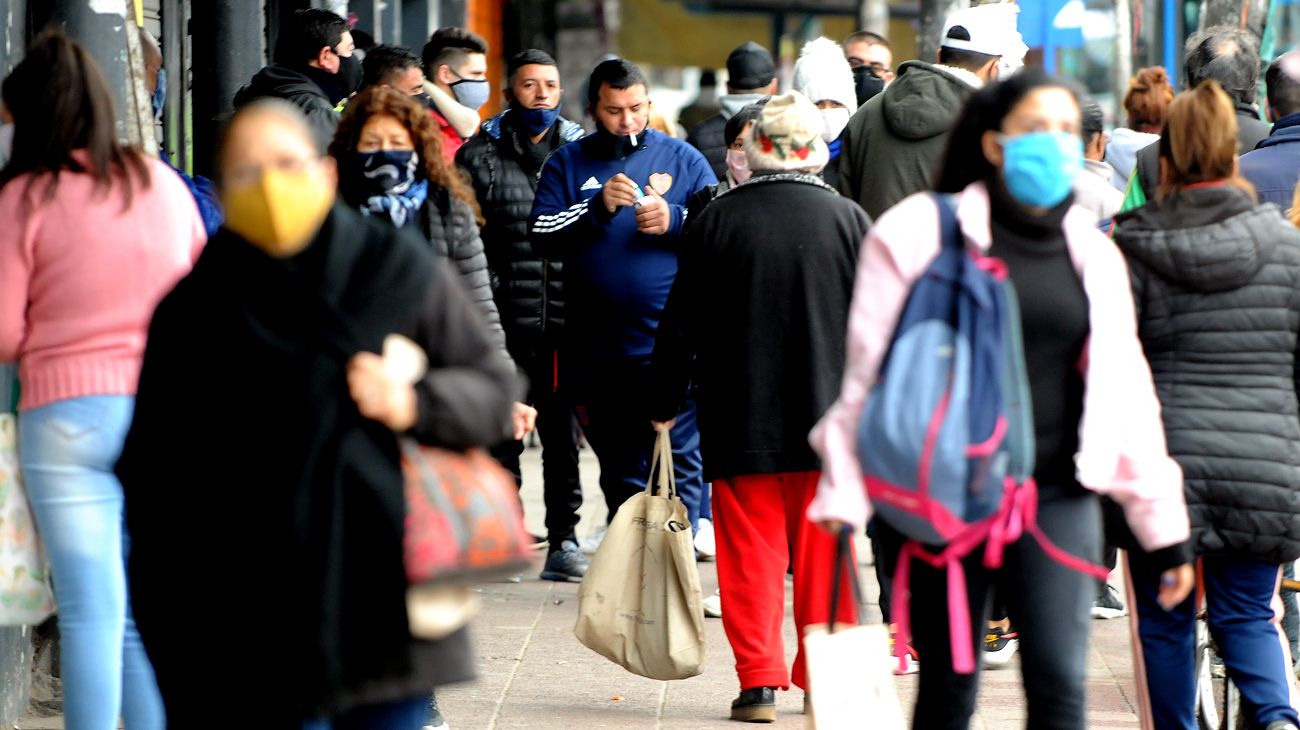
{"type": "Point", "coordinates": [450, 226]}
{"type": "Point", "coordinates": [758, 317]}
{"type": "Point", "coordinates": [528, 288]}
{"type": "Point", "coordinates": [1216, 281]}
{"type": "Point", "coordinates": [307, 520]}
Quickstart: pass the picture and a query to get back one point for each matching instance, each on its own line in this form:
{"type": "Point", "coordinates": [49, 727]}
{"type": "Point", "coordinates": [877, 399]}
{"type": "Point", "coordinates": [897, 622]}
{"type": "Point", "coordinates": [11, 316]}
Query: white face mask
{"type": "Point", "coordinates": [834, 120]}
{"type": "Point", "coordinates": [738, 165]}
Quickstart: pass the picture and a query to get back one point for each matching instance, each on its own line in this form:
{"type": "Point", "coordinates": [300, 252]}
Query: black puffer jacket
{"type": "Point", "coordinates": [529, 289]}
{"type": "Point", "coordinates": [450, 226]}
{"type": "Point", "coordinates": [1216, 280]}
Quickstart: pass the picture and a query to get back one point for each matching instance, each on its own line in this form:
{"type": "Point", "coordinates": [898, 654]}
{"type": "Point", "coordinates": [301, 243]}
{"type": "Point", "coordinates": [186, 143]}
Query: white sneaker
{"type": "Point", "coordinates": [591, 543]}
{"type": "Point", "coordinates": [705, 543]}
{"type": "Point", "coordinates": [713, 605]}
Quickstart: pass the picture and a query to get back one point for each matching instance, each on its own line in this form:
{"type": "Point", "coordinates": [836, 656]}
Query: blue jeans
{"type": "Point", "coordinates": [67, 450]}
{"type": "Point", "coordinates": [613, 416]}
{"type": "Point", "coordinates": [407, 714]}
{"type": "Point", "coordinates": [1238, 594]}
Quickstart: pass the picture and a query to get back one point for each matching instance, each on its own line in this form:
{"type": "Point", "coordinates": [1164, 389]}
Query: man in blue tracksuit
{"type": "Point", "coordinates": [613, 205]}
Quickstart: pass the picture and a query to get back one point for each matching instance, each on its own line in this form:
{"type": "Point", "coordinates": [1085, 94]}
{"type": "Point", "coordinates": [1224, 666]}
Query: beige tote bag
{"type": "Point", "coordinates": [850, 662]}
{"type": "Point", "coordinates": [640, 604]}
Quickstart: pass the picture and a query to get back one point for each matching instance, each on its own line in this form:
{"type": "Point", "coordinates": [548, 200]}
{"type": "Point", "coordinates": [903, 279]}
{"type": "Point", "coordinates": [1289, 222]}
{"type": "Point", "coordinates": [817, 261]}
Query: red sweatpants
{"type": "Point", "coordinates": [757, 520]}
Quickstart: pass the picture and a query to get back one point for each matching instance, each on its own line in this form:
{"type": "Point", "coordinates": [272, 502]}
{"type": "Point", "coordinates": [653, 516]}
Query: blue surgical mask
{"type": "Point", "coordinates": [389, 172]}
{"type": "Point", "coordinates": [159, 94]}
{"type": "Point", "coordinates": [471, 93]}
{"type": "Point", "coordinates": [537, 121]}
{"type": "Point", "coordinates": [1039, 168]}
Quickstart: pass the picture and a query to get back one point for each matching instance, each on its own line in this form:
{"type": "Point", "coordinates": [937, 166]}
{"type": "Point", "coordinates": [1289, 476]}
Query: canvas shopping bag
{"type": "Point", "coordinates": [640, 604]}
{"type": "Point", "coordinates": [25, 594]}
{"type": "Point", "coordinates": [850, 663]}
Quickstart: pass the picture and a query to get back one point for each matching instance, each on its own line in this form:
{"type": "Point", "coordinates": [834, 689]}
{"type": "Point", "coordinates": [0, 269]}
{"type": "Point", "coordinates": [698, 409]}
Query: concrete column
{"type": "Point", "coordinates": [417, 25]}
{"type": "Point", "coordinates": [100, 26]}
{"type": "Point", "coordinates": [933, 15]}
{"type": "Point", "coordinates": [229, 47]}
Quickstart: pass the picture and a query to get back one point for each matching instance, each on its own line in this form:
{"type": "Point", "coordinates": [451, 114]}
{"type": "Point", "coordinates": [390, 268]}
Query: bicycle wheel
{"type": "Point", "coordinates": [1207, 703]}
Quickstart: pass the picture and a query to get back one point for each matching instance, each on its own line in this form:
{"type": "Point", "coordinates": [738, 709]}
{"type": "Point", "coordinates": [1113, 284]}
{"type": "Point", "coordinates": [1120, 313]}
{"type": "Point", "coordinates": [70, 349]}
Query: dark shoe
{"type": "Point", "coordinates": [755, 705]}
{"type": "Point", "coordinates": [999, 646]}
{"type": "Point", "coordinates": [567, 563]}
{"type": "Point", "coordinates": [1108, 605]}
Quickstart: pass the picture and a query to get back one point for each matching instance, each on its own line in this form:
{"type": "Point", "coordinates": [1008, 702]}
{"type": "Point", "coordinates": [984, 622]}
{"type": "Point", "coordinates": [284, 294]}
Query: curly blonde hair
{"type": "Point", "coordinates": [385, 101]}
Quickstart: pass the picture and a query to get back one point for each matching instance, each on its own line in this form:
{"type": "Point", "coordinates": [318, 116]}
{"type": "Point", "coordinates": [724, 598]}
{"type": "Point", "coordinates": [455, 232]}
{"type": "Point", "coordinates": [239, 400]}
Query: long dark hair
{"type": "Point", "coordinates": [965, 162]}
{"type": "Point", "coordinates": [382, 100]}
{"type": "Point", "coordinates": [60, 103]}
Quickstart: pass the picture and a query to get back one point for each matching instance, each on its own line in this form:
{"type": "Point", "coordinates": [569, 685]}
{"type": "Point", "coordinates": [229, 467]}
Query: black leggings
{"type": "Point", "coordinates": [1048, 604]}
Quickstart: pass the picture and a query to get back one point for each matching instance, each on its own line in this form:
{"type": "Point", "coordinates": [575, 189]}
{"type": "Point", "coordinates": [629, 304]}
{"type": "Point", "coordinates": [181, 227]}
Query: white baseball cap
{"type": "Point", "coordinates": [987, 29]}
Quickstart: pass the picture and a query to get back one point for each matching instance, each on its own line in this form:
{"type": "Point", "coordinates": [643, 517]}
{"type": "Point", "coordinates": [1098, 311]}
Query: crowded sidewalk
{"type": "Point", "coordinates": [532, 669]}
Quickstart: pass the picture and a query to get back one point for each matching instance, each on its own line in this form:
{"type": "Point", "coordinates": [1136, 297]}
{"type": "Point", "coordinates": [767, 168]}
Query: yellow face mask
{"type": "Point", "coordinates": [281, 211]}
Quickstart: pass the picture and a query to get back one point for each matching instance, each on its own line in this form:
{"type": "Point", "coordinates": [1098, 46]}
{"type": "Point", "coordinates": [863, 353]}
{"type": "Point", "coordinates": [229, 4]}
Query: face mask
{"type": "Point", "coordinates": [471, 93]}
{"type": "Point", "coordinates": [621, 145]}
{"type": "Point", "coordinates": [1039, 168]}
{"type": "Point", "coordinates": [738, 165]}
{"type": "Point", "coordinates": [349, 75]}
{"type": "Point", "coordinates": [834, 120]}
{"type": "Point", "coordinates": [867, 83]}
{"type": "Point", "coordinates": [159, 94]}
{"type": "Point", "coordinates": [281, 211]}
{"type": "Point", "coordinates": [423, 100]}
{"type": "Point", "coordinates": [537, 121]}
{"type": "Point", "coordinates": [389, 172]}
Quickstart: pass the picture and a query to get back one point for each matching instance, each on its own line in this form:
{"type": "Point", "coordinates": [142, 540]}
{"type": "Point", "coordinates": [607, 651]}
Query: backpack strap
{"type": "Point", "coordinates": [950, 235]}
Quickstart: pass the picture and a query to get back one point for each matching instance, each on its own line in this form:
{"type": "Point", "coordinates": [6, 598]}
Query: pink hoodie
{"type": "Point", "coordinates": [1122, 450]}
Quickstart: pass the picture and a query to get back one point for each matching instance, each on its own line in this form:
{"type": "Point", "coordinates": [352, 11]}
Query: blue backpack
{"type": "Point", "coordinates": [946, 439]}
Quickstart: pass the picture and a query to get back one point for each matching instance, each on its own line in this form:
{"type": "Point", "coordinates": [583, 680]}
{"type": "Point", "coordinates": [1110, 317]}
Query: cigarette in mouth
{"type": "Point", "coordinates": [633, 138]}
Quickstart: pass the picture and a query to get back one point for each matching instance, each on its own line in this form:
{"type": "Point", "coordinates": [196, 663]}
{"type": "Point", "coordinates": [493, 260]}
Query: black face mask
{"type": "Point", "coordinates": [619, 145]}
{"type": "Point", "coordinates": [867, 83]}
{"type": "Point", "coordinates": [349, 74]}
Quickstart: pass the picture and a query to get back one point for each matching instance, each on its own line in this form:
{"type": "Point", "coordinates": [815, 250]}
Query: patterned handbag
{"type": "Point", "coordinates": [25, 594]}
{"type": "Point", "coordinates": [464, 523]}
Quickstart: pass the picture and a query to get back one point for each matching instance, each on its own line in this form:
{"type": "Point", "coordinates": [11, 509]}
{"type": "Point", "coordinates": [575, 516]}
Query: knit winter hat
{"type": "Point", "coordinates": [788, 136]}
{"type": "Point", "coordinates": [822, 73]}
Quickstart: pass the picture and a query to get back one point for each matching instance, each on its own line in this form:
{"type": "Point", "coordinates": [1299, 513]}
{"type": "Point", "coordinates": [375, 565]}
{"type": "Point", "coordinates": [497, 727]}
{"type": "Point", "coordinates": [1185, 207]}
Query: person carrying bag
{"type": "Point", "coordinates": [640, 604]}
{"type": "Point", "coordinates": [849, 661]}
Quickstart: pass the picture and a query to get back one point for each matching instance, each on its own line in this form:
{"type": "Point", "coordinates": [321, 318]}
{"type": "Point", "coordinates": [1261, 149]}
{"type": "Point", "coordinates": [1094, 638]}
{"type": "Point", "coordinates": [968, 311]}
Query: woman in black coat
{"type": "Point", "coordinates": [391, 167]}
{"type": "Point", "coordinates": [262, 476]}
{"type": "Point", "coordinates": [1216, 278]}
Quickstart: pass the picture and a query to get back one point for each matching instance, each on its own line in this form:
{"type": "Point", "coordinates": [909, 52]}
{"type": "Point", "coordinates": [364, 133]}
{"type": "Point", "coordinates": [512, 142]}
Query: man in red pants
{"type": "Point", "coordinates": [757, 320]}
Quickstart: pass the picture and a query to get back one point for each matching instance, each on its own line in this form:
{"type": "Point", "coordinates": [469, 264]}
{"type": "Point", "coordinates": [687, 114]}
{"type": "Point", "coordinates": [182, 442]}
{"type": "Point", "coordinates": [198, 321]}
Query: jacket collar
{"type": "Point", "coordinates": [1285, 130]}
{"type": "Point", "coordinates": [763, 178]}
{"type": "Point", "coordinates": [974, 210]}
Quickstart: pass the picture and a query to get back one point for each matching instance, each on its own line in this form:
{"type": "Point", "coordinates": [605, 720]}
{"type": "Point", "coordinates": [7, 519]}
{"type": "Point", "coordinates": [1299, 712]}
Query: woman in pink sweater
{"type": "Point", "coordinates": [95, 234]}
